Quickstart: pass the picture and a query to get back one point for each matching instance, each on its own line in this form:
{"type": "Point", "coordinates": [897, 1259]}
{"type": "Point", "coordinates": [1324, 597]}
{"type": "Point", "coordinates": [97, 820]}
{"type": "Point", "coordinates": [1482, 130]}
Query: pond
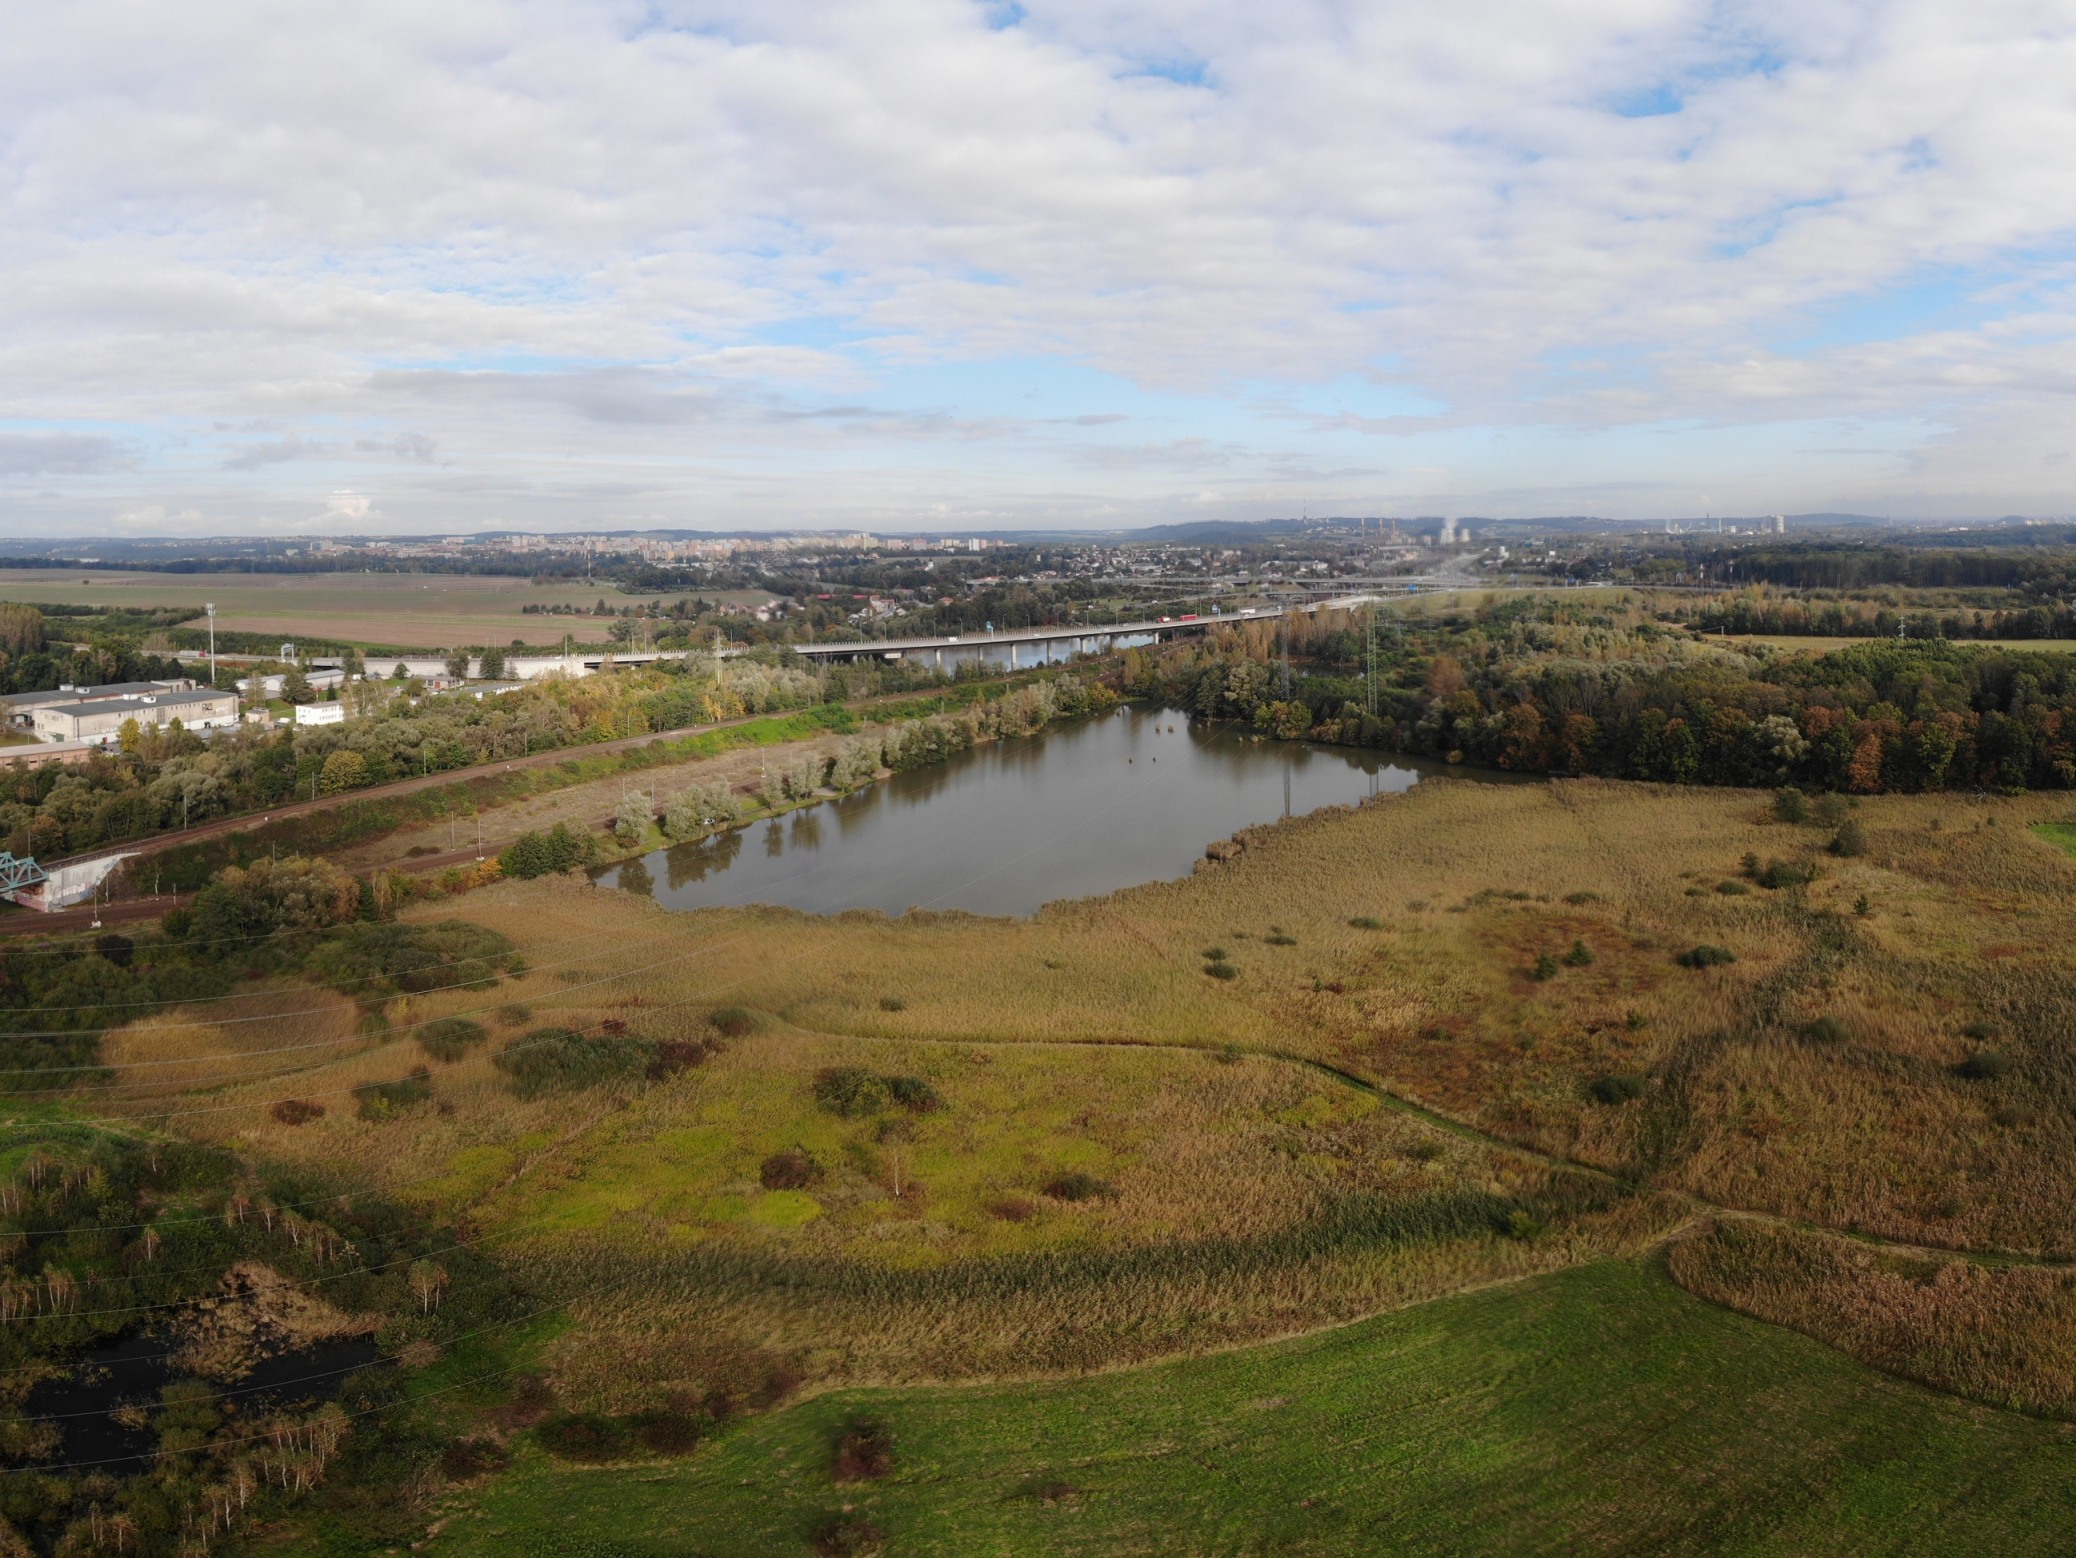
{"type": "Point", "coordinates": [1084, 808]}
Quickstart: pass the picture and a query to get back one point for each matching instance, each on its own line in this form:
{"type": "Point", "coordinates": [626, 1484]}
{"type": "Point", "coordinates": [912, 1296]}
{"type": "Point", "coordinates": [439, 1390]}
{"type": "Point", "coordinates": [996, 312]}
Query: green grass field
{"type": "Point", "coordinates": [1596, 1410]}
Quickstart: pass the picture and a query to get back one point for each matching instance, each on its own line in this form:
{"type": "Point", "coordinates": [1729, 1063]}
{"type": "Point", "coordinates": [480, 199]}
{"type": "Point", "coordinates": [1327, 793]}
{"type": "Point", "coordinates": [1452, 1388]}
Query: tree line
{"type": "Point", "coordinates": [1547, 687]}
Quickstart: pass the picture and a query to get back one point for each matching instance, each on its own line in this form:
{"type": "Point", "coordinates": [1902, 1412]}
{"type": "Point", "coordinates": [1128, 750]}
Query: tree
{"type": "Point", "coordinates": [458, 665]}
{"type": "Point", "coordinates": [343, 770]}
{"type": "Point", "coordinates": [632, 820]}
{"type": "Point", "coordinates": [493, 665]}
{"type": "Point", "coordinates": [295, 686]}
{"type": "Point", "coordinates": [351, 663]}
{"type": "Point", "coordinates": [428, 1282]}
{"type": "Point", "coordinates": [130, 736]}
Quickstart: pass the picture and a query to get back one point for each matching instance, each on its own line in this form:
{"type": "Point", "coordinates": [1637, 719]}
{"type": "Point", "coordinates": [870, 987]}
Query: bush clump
{"type": "Point", "coordinates": [1826, 1030]}
{"type": "Point", "coordinates": [1367, 922]}
{"type": "Point", "coordinates": [1621, 1088]}
{"type": "Point", "coordinates": [1849, 840]}
{"type": "Point", "coordinates": [371, 961]}
{"type": "Point", "coordinates": [582, 1436]}
{"type": "Point", "coordinates": [850, 1091]}
{"type": "Point", "coordinates": [1077, 1186]}
{"type": "Point", "coordinates": [914, 1094]}
{"type": "Point", "coordinates": [666, 1433]}
{"type": "Point", "coordinates": [864, 1452]}
{"type": "Point", "coordinates": [561, 848]}
{"type": "Point", "coordinates": [1777, 874]}
{"type": "Point", "coordinates": [1545, 967]}
{"type": "Point", "coordinates": [451, 1037]}
{"type": "Point", "coordinates": [380, 1100]}
{"type": "Point", "coordinates": [1983, 1066]}
{"type": "Point", "coordinates": [732, 1022]}
{"type": "Point", "coordinates": [892, 1003]}
{"type": "Point", "coordinates": [1705, 956]}
{"type": "Point", "coordinates": [1732, 889]}
{"type": "Point", "coordinates": [1580, 956]}
{"type": "Point", "coordinates": [297, 1111]}
{"type": "Point", "coordinates": [560, 1060]}
{"type": "Point", "coordinates": [1280, 940]}
{"type": "Point", "coordinates": [793, 1169]}
{"type": "Point", "coordinates": [1790, 805]}
{"type": "Point", "coordinates": [1221, 971]}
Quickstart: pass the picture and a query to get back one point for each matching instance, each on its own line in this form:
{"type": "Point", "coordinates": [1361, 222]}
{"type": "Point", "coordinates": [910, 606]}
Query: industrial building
{"type": "Point", "coordinates": [21, 706]}
{"type": "Point", "coordinates": [101, 719]}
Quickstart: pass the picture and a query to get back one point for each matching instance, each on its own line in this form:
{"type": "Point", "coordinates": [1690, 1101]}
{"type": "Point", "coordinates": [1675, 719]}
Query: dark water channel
{"type": "Point", "coordinates": [133, 1371]}
{"type": "Point", "coordinates": [1085, 808]}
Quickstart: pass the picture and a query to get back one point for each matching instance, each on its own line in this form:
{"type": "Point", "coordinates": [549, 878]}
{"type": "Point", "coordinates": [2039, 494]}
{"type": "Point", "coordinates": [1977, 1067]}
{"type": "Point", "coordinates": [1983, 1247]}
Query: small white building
{"type": "Point", "coordinates": [320, 714]}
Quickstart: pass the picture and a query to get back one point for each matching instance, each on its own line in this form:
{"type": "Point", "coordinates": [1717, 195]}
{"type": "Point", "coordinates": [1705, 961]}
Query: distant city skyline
{"type": "Point", "coordinates": [942, 266]}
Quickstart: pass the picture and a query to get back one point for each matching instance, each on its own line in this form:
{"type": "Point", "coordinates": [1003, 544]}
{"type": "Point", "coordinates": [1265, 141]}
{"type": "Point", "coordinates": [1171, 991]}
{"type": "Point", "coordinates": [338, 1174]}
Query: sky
{"type": "Point", "coordinates": [975, 264]}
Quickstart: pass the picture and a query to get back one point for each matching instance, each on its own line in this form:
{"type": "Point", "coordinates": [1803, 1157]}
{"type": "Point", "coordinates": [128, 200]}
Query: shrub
{"type": "Point", "coordinates": [1790, 805]}
{"type": "Point", "coordinates": [1522, 1225]}
{"type": "Point", "coordinates": [914, 1095]}
{"type": "Point", "coordinates": [1012, 1209]}
{"type": "Point", "coordinates": [451, 1037]}
{"type": "Point", "coordinates": [1978, 1029]}
{"type": "Point", "coordinates": [1826, 1030]}
{"type": "Point", "coordinates": [667, 1433]}
{"type": "Point", "coordinates": [1849, 840]}
{"type": "Point", "coordinates": [1280, 940]}
{"type": "Point", "coordinates": [557, 1060]}
{"type": "Point", "coordinates": [581, 1436]}
{"type": "Point", "coordinates": [1221, 971]}
{"type": "Point", "coordinates": [1077, 1186]}
{"type": "Point", "coordinates": [117, 949]}
{"type": "Point", "coordinates": [380, 1100]}
{"type": "Point", "coordinates": [848, 1536]}
{"type": "Point", "coordinates": [1213, 954]}
{"type": "Point", "coordinates": [864, 1452]}
{"type": "Point", "coordinates": [1983, 1066]}
{"type": "Point", "coordinates": [674, 1055]}
{"type": "Point", "coordinates": [732, 1022]}
{"type": "Point", "coordinates": [1732, 889]}
{"type": "Point", "coordinates": [469, 1459]}
{"type": "Point", "coordinates": [1574, 899]}
{"type": "Point", "coordinates": [297, 1111]}
{"type": "Point", "coordinates": [1367, 922]}
{"type": "Point", "coordinates": [1618, 1089]}
{"type": "Point", "coordinates": [892, 1003]}
{"type": "Point", "coordinates": [850, 1091]}
{"type": "Point", "coordinates": [1706, 956]}
{"type": "Point", "coordinates": [793, 1169]}
{"type": "Point", "coordinates": [371, 961]}
{"type": "Point", "coordinates": [561, 848]}
{"type": "Point", "coordinates": [513, 1015]}
{"type": "Point", "coordinates": [1545, 967]}
{"type": "Point", "coordinates": [1580, 955]}
{"type": "Point", "coordinates": [1782, 873]}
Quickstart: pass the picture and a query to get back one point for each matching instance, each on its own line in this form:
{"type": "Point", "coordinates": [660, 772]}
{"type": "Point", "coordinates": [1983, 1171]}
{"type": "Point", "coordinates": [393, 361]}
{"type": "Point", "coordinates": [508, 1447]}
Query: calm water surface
{"type": "Point", "coordinates": [1084, 808]}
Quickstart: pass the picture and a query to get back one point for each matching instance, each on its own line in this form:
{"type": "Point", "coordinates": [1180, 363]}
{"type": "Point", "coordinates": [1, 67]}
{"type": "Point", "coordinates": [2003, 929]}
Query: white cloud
{"type": "Point", "coordinates": [736, 261]}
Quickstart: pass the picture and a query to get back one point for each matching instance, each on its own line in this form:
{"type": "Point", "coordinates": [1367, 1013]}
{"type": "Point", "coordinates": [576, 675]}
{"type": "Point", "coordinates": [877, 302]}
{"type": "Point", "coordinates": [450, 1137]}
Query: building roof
{"type": "Point", "coordinates": [127, 706]}
{"type": "Point", "coordinates": [23, 700]}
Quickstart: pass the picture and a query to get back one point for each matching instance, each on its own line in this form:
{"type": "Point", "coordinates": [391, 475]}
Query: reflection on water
{"type": "Point", "coordinates": [1086, 808]}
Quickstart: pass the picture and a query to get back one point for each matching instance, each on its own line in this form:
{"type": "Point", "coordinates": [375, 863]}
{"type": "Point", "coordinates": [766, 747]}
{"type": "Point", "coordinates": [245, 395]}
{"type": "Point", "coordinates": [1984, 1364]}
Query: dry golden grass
{"type": "Point", "coordinates": [1813, 1078]}
{"type": "Point", "coordinates": [2005, 1334]}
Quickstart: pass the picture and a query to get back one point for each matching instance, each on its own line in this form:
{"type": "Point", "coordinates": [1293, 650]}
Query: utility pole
{"type": "Point", "coordinates": [210, 607]}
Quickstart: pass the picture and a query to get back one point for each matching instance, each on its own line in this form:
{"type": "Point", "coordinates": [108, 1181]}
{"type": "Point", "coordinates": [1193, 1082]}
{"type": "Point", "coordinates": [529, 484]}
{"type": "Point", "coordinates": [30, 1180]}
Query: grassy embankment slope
{"type": "Point", "coordinates": [1596, 1410]}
